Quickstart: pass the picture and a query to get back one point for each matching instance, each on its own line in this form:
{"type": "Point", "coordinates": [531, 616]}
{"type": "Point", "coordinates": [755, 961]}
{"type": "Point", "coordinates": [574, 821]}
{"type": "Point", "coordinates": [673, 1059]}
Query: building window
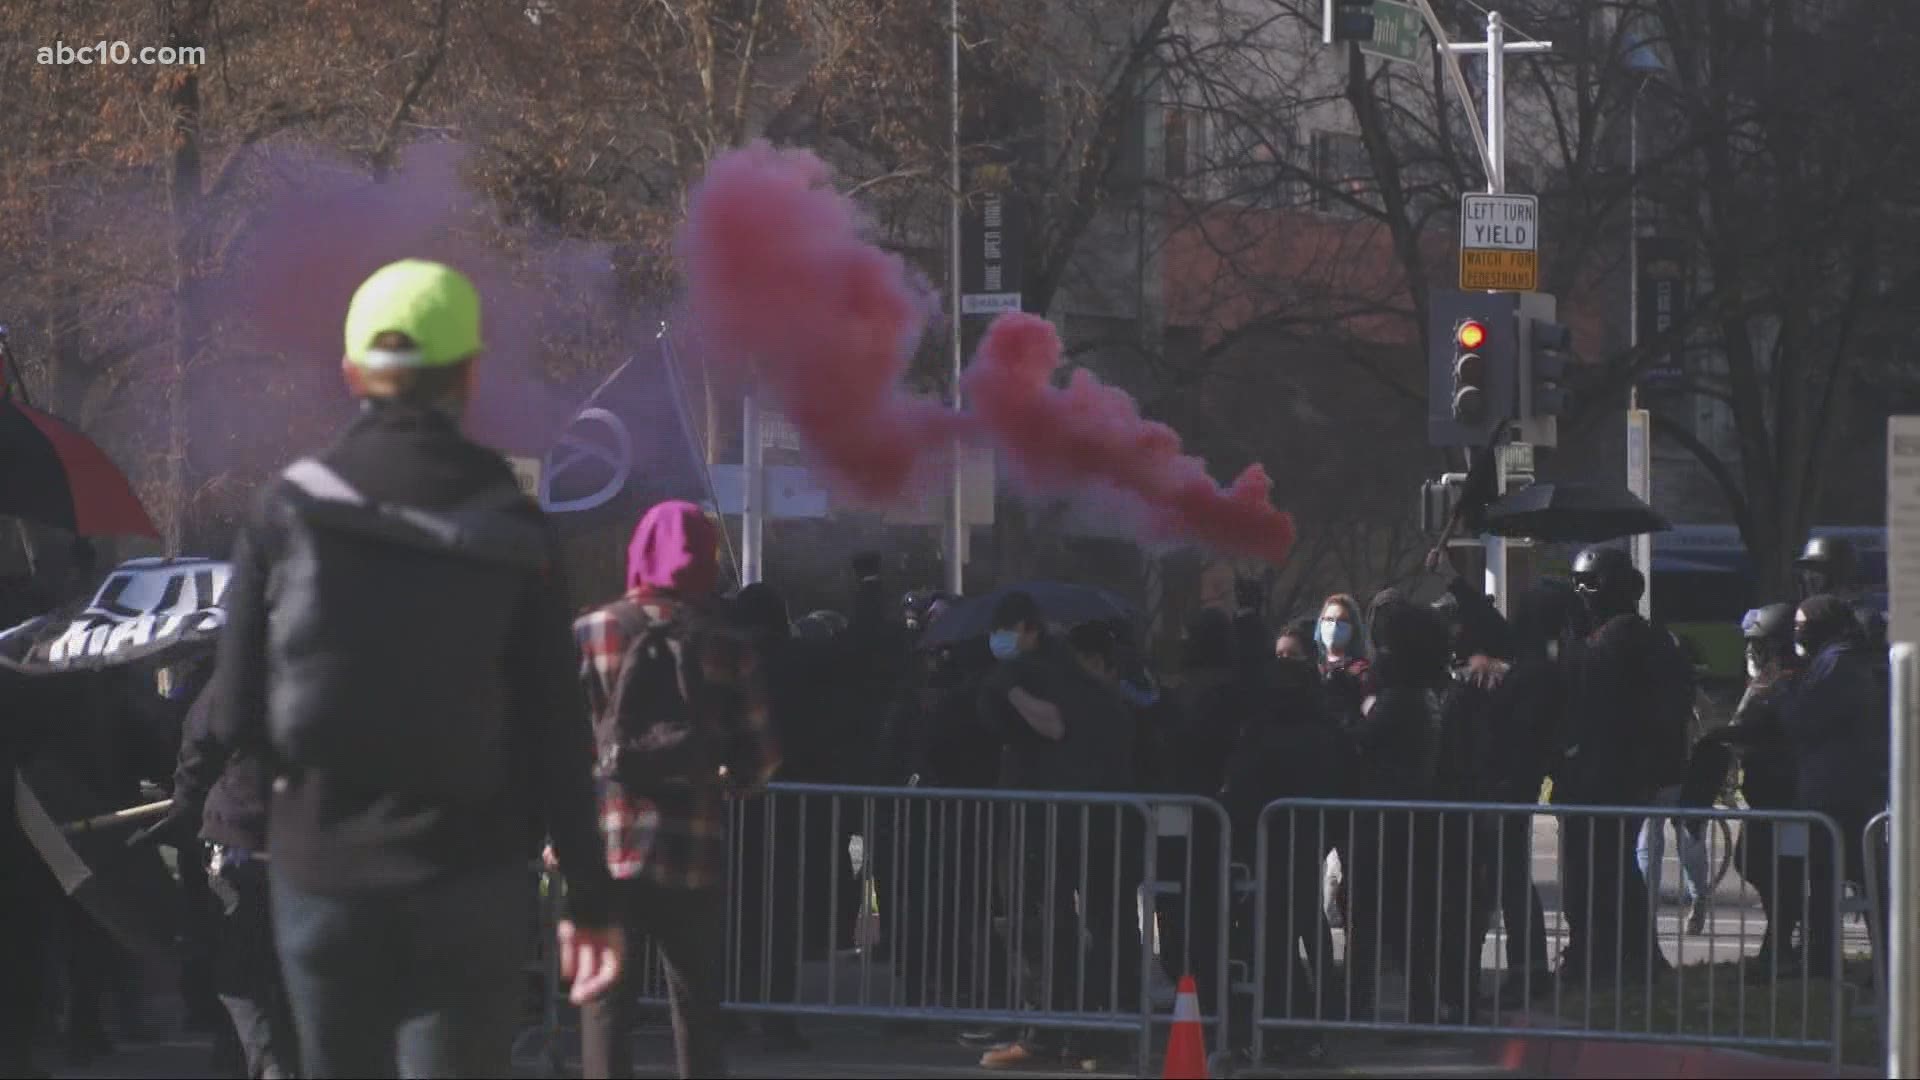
{"type": "Point", "coordinates": [1248, 169]}
{"type": "Point", "coordinates": [1341, 169]}
{"type": "Point", "coordinates": [1176, 132]}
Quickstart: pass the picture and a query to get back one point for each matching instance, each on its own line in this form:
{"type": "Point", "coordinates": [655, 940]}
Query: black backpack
{"type": "Point", "coordinates": [1670, 719]}
{"type": "Point", "coordinates": [386, 623]}
{"type": "Point", "coordinates": [660, 739]}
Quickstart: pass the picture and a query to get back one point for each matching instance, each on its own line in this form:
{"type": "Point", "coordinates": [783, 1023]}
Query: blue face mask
{"type": "Point", "coordinates": [1005, 644]}
{"type": "Point", "coordinates": [1335, 633]}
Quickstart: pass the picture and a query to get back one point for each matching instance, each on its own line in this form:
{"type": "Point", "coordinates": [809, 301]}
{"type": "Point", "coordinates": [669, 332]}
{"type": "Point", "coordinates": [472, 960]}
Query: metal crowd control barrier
{"type": "Point", "coordinates": [1060, 912]}
{"type": "Point", "coordinates": [1874, 842]}
{"type": "Point", "coordinates": [1424, 879]}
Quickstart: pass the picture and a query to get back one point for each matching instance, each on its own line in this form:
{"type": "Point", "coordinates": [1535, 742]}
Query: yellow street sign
{"type": "Point", "coordinates": [1499, 271]}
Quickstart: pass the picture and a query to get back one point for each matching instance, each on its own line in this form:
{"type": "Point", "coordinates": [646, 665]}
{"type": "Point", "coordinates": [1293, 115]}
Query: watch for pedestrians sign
{"type": "Point", "coordinates": [1499, 243]}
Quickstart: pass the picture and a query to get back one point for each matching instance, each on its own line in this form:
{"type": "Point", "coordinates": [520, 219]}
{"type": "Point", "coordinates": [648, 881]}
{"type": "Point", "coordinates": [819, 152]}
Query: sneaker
{"type": "Point", "coordinates": [1697, 918]}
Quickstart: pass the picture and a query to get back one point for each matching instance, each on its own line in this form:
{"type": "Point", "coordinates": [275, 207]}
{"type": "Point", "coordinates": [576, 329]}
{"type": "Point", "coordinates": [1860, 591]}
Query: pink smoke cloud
{"type": "Point", "coordinates": [1093, 433]}
{"type": "Point", "coordinates": [780, 276]}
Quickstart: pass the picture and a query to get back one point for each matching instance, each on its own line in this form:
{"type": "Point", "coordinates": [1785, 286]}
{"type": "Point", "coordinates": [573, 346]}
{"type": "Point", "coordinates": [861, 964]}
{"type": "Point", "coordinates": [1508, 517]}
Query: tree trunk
{"type": "Point", "coordinates": [186, 28]}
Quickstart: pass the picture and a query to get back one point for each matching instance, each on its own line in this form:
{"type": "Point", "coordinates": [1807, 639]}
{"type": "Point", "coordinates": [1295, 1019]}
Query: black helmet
{"type": "Point", "coordinates": [1602, 562]}
{"type": "Point", "coordinates": [1607, 581]}
{"type": "Point", "coordinates": [1833, 554]}
{"type": "Point", "coordinates": [1771, 623]}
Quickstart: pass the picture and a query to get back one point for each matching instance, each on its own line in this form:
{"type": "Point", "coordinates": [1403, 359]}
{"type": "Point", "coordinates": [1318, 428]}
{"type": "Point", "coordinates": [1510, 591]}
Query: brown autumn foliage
{"type": "Point", "coordinates": [134, 192]}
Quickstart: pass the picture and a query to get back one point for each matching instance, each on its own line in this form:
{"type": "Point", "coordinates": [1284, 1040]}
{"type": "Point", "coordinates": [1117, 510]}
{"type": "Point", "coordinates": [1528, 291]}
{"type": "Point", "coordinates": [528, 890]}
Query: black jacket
{"type": "Point", "coordinates": [227, 794]}
{"type": "Point", "coordinates": [1836, 722]}
{"type": "Point", "coordinates": [1630, 698]}
{"type": "Point", "coordinates": [441, 647]}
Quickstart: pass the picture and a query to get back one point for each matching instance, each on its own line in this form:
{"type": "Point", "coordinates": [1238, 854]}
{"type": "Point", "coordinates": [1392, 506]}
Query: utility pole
{"type": "Point", "coordinates": [956, 545]}
{"type": "Point", "coordinates": [1495, 48]}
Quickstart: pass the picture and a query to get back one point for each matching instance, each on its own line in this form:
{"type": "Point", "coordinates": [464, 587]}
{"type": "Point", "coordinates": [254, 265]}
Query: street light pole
{"type": "Point", "coordinates": [1639, 430]}
{"type": "Point", "coordinates": [956, 504]}
{"type": "Point", "coordinates": [1496, 48]}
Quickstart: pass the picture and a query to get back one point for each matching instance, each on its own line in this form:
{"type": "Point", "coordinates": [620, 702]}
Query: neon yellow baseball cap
{"type": "Point", "coordinates": [433, 304]}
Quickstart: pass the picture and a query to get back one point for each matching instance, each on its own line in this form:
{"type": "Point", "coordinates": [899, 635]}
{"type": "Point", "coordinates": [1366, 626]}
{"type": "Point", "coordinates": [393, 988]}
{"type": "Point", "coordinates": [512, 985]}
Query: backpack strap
{"type": "Point", "coordinates": [320, 482]}
{"type": "Point", "coordinates": [479, 527]}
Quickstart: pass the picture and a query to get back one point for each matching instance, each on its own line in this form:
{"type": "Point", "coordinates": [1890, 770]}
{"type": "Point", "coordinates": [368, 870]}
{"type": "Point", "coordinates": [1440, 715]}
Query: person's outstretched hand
{"type": "Point", "coordinates": [590, 959]}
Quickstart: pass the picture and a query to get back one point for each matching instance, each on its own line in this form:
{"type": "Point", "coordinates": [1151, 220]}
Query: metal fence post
{"type": "Point", "coordinates": [1903, 923]}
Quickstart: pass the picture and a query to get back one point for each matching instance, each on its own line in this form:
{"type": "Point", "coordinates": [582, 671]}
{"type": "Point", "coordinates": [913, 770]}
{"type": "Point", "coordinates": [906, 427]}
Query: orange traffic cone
{"type": "Point", "coordinates": [1187, 1044]}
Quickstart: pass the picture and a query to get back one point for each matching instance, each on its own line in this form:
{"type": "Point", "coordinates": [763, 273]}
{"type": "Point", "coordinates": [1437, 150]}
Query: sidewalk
{"type": "Point", "coordinates": [861, 1051]}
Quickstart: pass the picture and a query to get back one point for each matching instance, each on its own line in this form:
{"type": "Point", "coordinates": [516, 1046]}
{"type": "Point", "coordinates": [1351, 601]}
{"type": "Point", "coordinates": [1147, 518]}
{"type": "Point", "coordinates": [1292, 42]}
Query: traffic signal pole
{"type": "Point", "coordinates": [1495, 47]}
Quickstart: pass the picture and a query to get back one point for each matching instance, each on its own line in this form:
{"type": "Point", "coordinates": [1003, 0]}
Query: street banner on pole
{"type": "Point", "coordinates": [1662, 302]}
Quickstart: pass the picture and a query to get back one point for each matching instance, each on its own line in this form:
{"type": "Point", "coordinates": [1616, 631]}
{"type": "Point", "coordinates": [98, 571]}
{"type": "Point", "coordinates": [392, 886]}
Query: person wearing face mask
{"type": "Point", "coordinates": [1631, 704]}
{"type": "Point", "coordinates": [1023, 706]}
{"type": "Point", "coordinates": [1770, 857]}
{"type": "Point", "coordinates": [1835, 720]}
{"type": "Point", "coordinates": [1344, 663]}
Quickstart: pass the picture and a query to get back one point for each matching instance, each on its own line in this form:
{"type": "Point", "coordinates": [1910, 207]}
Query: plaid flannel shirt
{"type": "Point", "coordinates": [675, 838]}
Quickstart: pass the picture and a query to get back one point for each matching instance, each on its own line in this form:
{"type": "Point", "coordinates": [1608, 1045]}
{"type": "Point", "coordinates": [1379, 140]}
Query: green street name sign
{"type": "Point", "coordinates": [1397, 29]}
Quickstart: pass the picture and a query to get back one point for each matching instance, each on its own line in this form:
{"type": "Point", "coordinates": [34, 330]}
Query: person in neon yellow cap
{"type": "Point", "coordinates": [398, 646]}
{"type": "Point", "coordinates": [413, 334]}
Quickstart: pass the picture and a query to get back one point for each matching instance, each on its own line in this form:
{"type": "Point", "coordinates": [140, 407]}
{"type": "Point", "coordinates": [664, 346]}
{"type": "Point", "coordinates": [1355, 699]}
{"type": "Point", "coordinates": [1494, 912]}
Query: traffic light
{"type": "Point", "coordinates": [1544, 347]}
{"type": "Point", "coordinates": [1470, 381]}
{"type": "Point", "coordinates": [1469, 373]}
{"type": "Point", "coordinates": [1347, 20]}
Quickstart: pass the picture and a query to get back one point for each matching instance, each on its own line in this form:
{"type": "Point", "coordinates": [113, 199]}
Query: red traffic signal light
{"type": "Point", "coordinates": [1470, 334]}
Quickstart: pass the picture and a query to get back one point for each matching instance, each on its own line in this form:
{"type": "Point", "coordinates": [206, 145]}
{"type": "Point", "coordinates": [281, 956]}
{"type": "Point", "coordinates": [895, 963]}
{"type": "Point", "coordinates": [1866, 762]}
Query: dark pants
{"type": "Point", "coordinates": [1508, 866]}
{"type": "Point", "coordinates": [1824, 866]}
{"type": "Point", "coordinates": [1116, 868]}
{"type": "Point", "coordinates": [197, 938]}
{"type": "Point", "coordinates": [1190, 921]}
{"type": "Point", "coordinates": [1781, 881]}
{"type": "Point", "coordinates": [420, 982]}
{"type": "Point", "coordinates": [689, 928]}
{"type": "Point", "coordinates": [1452, 898]}
{"type": "Point", "coordinates": [1605, 899]}
{"type": "Point", "coordinates": [1379, 898]}
{"type": "Point", "coordinates": [246, 972]}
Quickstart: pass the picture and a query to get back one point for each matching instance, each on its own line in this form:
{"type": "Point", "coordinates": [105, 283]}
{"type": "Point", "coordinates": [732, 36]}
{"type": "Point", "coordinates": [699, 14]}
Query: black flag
{"type": "Point", "coordinates": [159, 611]}
{"type": "Point", "coordinates": [630, 445]}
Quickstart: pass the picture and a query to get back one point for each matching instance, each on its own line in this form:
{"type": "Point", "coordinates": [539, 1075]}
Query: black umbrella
{"type": "Point", "coordinates": [1059, 602]}
{"type": "Point", "coordinates": [52, 474]}
{"type": "Point", "coordinates": [1574, 512]}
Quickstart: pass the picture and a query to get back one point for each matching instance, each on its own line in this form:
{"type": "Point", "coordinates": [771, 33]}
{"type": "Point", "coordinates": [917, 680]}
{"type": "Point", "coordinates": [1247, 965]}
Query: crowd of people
{"type": "Point", "coordinates": [402, 713]}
